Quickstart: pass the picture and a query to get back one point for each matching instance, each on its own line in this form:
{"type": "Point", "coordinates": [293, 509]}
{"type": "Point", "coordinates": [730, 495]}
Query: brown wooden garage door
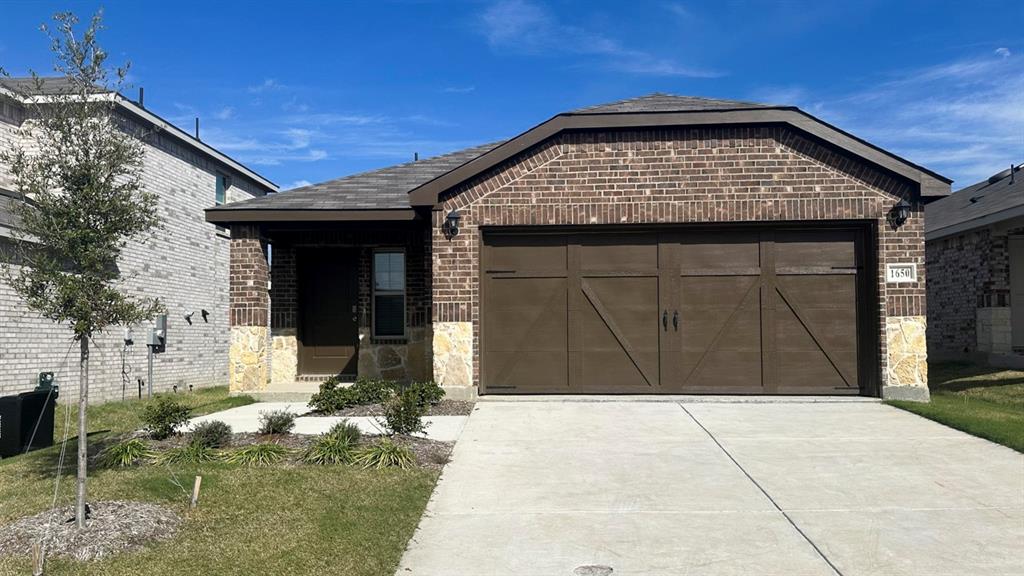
{"type": "Point", "coordinates": [702, 311]}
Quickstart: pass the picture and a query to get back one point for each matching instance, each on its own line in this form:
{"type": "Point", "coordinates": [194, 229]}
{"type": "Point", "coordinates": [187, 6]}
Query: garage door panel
{"type": "Point", "coordinates": [759, 311]}
{"type": "Point", "coordinates": [613, 252]}
{"type": "Point", "coordinates": [520, 252]}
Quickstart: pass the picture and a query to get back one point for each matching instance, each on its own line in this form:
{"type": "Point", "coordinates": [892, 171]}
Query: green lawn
{"type": "Point", "coordinates": [986, 402]}
{"type": "Point", "coordinates": [282, 520]}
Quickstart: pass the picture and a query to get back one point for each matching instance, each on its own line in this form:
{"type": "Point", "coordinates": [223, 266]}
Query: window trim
{"type": "Point", "coordinates": [374, 292]}
{"type": "Point", "coordinates": [221, 179]}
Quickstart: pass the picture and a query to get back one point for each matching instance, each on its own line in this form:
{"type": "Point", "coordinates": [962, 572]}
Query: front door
{"type": "Point", "coordinates": [328, 328]}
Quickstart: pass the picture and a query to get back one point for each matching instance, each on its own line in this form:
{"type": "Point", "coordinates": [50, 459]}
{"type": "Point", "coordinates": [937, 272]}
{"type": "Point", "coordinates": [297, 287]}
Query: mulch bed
{"type": "Point", "coordinates": [113, 527]}
{"type": "Point", "coordinates": [442, 408]}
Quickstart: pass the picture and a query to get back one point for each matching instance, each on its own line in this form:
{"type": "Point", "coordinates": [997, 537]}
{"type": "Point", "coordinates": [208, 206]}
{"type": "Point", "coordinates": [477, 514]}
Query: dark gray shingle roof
{"type": "Point", "coordinates": [975, 202]}
{"type": "Point", "coordinates": [384, 189]}
{"type": "Point", "coordinates": [661, 102]}
{"type": "Point", "coordinates": [49, 86]}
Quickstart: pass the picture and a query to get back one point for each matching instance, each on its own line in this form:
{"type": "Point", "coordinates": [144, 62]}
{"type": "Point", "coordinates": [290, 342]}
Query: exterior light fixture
{"type": "Point", "coordinates": [451, 224]}
{"type": "Point", "coordinates": [899, 213]}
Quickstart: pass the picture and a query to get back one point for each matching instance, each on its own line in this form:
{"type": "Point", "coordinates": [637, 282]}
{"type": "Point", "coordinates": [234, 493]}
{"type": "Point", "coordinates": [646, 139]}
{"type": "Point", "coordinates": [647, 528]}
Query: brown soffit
{"type": "Point", "coordinates": [930, 183]}
{"type": "Point", "coordinates": [226, 216]}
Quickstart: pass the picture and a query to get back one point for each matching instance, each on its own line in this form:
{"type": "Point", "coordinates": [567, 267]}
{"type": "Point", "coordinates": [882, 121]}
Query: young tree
{"type": "Point", "coordinates": [79, 173]}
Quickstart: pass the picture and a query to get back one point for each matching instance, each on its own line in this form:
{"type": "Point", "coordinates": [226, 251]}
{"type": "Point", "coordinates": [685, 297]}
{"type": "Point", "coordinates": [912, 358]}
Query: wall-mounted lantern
{"type": "Point", "coordinates": [899, 213]}
{"type": "Point", "coordinates": [451, 224]}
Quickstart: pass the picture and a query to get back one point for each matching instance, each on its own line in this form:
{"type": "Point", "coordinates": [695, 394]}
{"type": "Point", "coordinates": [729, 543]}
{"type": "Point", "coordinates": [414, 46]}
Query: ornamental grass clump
{"type": "Point", "coordinates": [191, 453]}
{"type": "Point", "coordinates": [212, 434]}
{"type": "Point", "coordinates": [257, 455]}
{"type": "Point", "coordinates": [127, 453]}
{"type": "Point", "coordinates": [384, 453]}
{"type": "Point", "coordinates": [329, 449]}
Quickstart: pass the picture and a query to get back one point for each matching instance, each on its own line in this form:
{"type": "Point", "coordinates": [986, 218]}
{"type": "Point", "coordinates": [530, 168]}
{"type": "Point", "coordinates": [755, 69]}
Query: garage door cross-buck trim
{"type": "Point", "coordinates": [728, 311]}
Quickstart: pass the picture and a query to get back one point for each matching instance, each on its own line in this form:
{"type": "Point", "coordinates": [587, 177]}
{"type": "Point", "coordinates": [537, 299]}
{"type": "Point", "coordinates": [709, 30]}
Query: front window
{"type": "Point", "coordinates": [389, 293]}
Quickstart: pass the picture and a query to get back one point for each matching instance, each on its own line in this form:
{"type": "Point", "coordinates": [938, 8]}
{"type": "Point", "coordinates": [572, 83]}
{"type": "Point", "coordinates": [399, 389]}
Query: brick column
{"type": "Point", "coordinates": [249, 310]}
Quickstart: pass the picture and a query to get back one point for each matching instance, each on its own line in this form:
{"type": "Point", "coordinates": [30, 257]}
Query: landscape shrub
{"type": "Point", "coordinates": [329, 449]}
{"type": "Point", "coordinates": [127, 453]}
{"type": "Point", "coordinates": [191, 453]}
{"type": "Point", "coordinates": [212, 434]}
{"type": "Point", "coordinates": [164, 416]}
{"type": "Point", "coordinates": [403, 414]}
{"type": "Point", "coordinates": [427, 393]}
{"type": "Point", "coordinates": [384, 453]}
{"type": "Point", "coordinates": [257, 455]}
{"type": "Point", "coordinates": [276, 422]}
{"type": "Point", "coordinates": [346, 430]}
{"type": "Point", "coordinates": [335, 395]}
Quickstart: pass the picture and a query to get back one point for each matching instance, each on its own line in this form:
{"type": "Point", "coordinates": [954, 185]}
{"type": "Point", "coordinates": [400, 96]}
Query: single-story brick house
{"type": "Point", "coordinates": [662, 244]}
{"type": "Point", "coordinates": [975, 260]}
{"type": "Point", "coordinates": [185, 263]}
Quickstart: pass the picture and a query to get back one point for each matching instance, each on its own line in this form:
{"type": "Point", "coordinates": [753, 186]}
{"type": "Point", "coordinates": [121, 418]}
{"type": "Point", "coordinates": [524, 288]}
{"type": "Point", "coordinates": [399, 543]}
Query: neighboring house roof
{"type": "Point", "coordinates": [27, 89]}
{"type": "Point", "coordinates": [992, 200]}
{"type": "Point", "coordinates": [377, 195]}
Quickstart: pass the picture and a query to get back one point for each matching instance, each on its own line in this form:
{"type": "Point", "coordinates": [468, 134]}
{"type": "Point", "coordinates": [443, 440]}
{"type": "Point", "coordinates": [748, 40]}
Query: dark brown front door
{"type": "Point", "coordinates": [328, 331]}
{"type": "Point", "coordinates": [740, 311]}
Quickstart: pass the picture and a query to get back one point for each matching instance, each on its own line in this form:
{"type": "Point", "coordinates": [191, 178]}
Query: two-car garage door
{"type": "Point", "coordinates": [742, 311]}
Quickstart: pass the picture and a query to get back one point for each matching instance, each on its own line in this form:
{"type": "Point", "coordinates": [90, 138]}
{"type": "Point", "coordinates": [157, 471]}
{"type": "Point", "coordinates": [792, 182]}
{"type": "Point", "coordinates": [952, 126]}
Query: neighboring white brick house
{"type": "Point", "coordinates": [185, 264]}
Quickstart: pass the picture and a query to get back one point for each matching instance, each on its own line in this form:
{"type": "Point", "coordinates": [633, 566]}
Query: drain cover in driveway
{"type": "Point", "coordinates": [592, 570]}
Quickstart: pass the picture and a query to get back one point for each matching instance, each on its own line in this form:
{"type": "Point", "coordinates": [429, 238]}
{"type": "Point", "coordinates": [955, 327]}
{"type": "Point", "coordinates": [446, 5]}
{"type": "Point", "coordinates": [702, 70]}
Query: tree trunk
{"type": "Point", "coordinates": [83, 453]}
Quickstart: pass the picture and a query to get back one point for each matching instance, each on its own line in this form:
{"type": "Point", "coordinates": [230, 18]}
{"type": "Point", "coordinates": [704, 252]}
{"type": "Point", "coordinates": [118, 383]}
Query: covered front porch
{"type": "Point", "coordinates": [314, 300]}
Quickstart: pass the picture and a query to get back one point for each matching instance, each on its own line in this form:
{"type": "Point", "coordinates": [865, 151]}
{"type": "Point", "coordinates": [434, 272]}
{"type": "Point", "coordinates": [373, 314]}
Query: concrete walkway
{"type": "Point", "coordinates": [247, 419]}
{"type": "Point", "coordinates": [653, 488]}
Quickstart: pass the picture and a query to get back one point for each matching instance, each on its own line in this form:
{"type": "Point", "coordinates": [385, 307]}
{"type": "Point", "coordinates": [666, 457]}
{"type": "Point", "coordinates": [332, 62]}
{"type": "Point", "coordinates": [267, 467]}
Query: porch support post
{"type": "Point", "coordinates": [249, 310]}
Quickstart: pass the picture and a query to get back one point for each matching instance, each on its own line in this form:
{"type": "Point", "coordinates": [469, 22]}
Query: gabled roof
{"type": "Point", "coordinates": [26, 89]}
{"type": "Point", "coordinates": [992, 200]}
{"type": "Point", "coordinates": [363, 196]}
{"type": "Point", "coordinates": [661, 102]}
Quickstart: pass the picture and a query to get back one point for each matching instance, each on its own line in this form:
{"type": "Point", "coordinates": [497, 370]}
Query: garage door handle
{"type": "Point", "coordinates": [675, 320]}
{"type": "Point", "coordinates": [664, 319]}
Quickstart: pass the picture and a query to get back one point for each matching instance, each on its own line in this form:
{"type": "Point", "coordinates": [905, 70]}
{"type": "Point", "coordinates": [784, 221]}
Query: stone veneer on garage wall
{"type": "Point", "coordinates": [685, 175]}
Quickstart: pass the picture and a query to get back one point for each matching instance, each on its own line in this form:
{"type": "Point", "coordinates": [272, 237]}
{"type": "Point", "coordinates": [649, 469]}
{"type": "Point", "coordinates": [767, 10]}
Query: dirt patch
{"type": "Point", "coordinates": [442, 408]}
{"type": "Point", "coordinates": [113, 527]}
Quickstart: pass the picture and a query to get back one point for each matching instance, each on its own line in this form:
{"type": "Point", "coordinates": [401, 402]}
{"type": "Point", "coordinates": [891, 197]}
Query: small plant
{"type": "Point", "coordinates": [384, 453]}
{"type": "Point", "coordinates": [212, 434]}
{"type": "Point", "coordinates": [276, 422]}
{"type": "Point", "coordinates": [258, 455]}
{"type": "Point", "coordinates": [191, 453]}
{"type": "Point", "coordinates": [347, 430]}
{"type": "Point", "coordinates": [335, 395]}
{"type": "Point", "coordinates": [427, 393]}
{"type": "Point", "coordinates": [126, 453]}
{"type": "Point", "coordinates": [403, 414]}
{"type": "Point", "coordinates": [329, 449]}
{"type": "Point", "coordinates": [164, 416]}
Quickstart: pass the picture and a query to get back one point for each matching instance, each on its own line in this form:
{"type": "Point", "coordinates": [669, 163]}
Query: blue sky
{"type": "Point", "coordinates": [308, 91]}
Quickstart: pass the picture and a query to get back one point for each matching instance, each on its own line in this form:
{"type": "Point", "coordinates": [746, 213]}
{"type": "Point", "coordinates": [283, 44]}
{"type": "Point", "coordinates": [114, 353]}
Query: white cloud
{"type": "Point", "coordinates": [1003, 52]}
{"type": "Point", "coordinates": [296, 184]}
{"type": "Point", "coordinates": [267, 85]}
{"type": "Point", "coordinates": [963, 118]}
{"type": "Point", "coordinates": [458, 89]}
{"type": "Point", "coordinates": [225, 113]}
{"type": "Point", "coordinates": [524, 27]}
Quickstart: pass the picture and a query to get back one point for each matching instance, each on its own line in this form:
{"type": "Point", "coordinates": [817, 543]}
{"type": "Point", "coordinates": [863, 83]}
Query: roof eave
{"type": "Point", "coordinates": [930, 184]}
{"type": "Point", "coordinates": [227, 216]}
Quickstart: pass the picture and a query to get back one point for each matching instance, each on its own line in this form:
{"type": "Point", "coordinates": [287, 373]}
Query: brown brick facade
{"type": "Point", "coordinates": [248, 296]}
{"type": "Point", "coordinates": [969, 283]}
{"type": "Point", "coordinates": [662, 176]}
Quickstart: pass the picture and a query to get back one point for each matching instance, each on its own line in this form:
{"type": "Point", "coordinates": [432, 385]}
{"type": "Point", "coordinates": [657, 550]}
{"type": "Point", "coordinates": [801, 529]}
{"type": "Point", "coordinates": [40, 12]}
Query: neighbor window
{"type": "Point", "coordinates": [222, 189]}
{"type": "Point", "coordinates": [389, 293]}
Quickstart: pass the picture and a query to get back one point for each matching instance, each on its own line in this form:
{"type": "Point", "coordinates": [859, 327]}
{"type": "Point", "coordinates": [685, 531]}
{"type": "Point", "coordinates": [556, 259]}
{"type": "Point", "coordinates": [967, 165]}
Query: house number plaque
{"type": "Point", "coordinates": [899, 273]}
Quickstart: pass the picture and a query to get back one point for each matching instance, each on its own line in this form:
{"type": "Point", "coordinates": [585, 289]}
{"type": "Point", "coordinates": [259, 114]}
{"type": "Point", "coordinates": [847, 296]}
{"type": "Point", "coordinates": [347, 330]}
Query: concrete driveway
{"type": "Point", "coordinates": [565, 488]}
